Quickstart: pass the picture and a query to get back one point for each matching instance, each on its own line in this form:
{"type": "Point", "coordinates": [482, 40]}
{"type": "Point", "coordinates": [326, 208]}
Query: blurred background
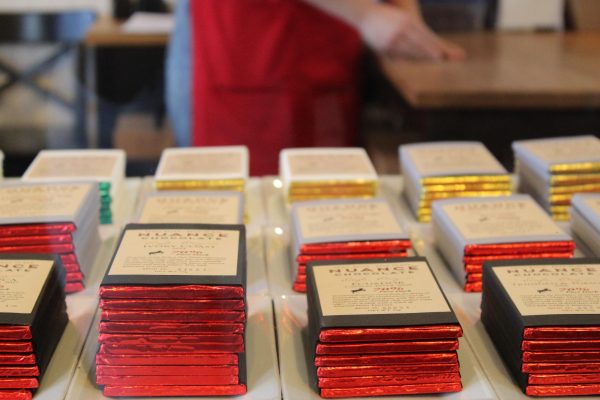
{"type": "Point", "coordinates": [91, 73]}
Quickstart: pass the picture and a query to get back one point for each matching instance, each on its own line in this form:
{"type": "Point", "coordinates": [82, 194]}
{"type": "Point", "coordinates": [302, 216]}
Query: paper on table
{"type": "Point", "coordinates": [149, 23]}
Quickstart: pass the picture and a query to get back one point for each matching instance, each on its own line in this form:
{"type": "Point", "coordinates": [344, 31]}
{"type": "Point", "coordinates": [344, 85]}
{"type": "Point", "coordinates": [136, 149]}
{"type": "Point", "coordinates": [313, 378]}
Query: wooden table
{"type": "Point", "coordinates": [107, 31]}
{"type": "Point", "coordinates": [506, 70]}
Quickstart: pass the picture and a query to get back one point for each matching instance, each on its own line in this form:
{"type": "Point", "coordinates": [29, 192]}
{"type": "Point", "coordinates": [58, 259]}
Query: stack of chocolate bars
{"type": "Point", "coordinates": [380, 328]}
{"type": "Point", "coordinates": [57, 218]}
{"type": "Point", "coordinates": [444, 170]}
{"type": "Point", "coordinates": [585, 220]}
{"type": "Point", "coordinates": [203, 168]}
{"type": "Point", "coordinates": [553, 170]}
{"type": "Point", "coordinates": [350, 229]}
{"type": "Point", "coordinates": [106, 167]}
{"type": "Point", "coordinates": [326, 173]}
{"type": "Point", "coordinates": [469, 232]}
{"type": "Point", "coordinates": [544, 318]}
{"type": "Point", "coordinates": [201, 207]}
{"type": "Point", "coordinates": [174, 312]}
{"type": "Point", "coordinates": [33, 316]}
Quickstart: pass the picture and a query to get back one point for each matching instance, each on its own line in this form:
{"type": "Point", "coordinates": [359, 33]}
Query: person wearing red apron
{"type": "Point", "coordinates": [274, 74]}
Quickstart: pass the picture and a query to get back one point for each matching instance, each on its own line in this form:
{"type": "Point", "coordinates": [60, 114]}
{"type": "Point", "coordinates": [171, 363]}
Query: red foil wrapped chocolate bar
{"type": "Point", "coordinates": [560, 345]}
{"type": "Point", "coordinates": [167, 359]}
{"type": "Point", "coordinates": [373, 370]}
{"type": "Point", "coordinates": [35, 240]}
{"type": "Point", "coordinates": [207, 348]}
{"type": "Point", "coordinates": [19, 383]}
{"type": "Point", "coordinates": [563, 390]}
{"type": "Point", "coordinates": [560, 356]}
{"type": "Point", "coordinates": [19, 371]}
{"type": "Point", "coordinates": [15, 395]}
{"type": "Point", "coordinates": [558, 368]}
{"type": "Point", "coordinates": [161, 391]}
{"type": "Point", "coordinates": [36, 229]}
{"type": "Point", "coordinates": [387, 347]}
{"type": "Point", "coordinates": [380, 246]}
{"type": "Point", "coordinates": [519, 248]}
{"type": "Point", "coordinates": [388, 380]}
{"type": "Point", "coordinates": [158, 305]}
{"type": "Point", "coordinates": [180, 292]}
{"type": "Point", "coordinates": [16, 332]}
{"type": "Point", "coordinates": [174, 316]}
{"type": "Point", "coordinates": [167, 380]}
{"type": "Point", "coordinates": [149, 370]}
{"type": "Point", "coordinates": [557, 379]}
{"type": "Point", "coordinates": [133, 339]}
{"type": "Point", "coordinates": [170, 328]}
{"type": "Point", "coordinates": [391, 390]}
{"type": "Point", "coordinates": [390, 334]}
{"type": "Point", "coordinates": [386, 359]}
{"type": "Point", "coordinates": [16, 347]}
{"type": "Point", "coordinates": [561, 332]}
{"type": "Point", "coordinates": [17, 359]}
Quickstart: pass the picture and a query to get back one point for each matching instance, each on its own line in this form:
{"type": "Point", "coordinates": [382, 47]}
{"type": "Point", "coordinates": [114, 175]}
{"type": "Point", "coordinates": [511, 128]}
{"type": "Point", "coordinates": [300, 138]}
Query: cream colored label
{"type": "Point", "coordinates": [447, 160]}
{"type": "Point", "coordinates": [384, 288]}
{"type": "Point", "coordinates": [553, 289]}
{"type": "Point", "coordinates": [191, 210]}
{"type": "Point", "coordinates": [565, 150]}
{"type": "Point", "coordinates": [347, 219]}
{"type": "Point", "coordinates": [41, 200]}
{"type": "Point", "coordinates": [21, 282]}
{"type": "Point", "coordinates": [500, 219]}
{"type": "Point", "coordinates": [594, 204]}
{"type": "Point", "coordinates": [73, 167]}
{"type": "Point", "coordinates": [177, 252]}
{"type": "Point", "coordinates": [206, 163]}
{"type": "Point", "coordinates": [329, 164]}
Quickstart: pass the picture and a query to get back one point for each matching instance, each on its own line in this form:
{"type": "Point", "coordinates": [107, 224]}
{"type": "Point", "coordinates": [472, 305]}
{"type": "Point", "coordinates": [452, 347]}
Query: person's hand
{"type": "Point", "coordinates": [394, 32]}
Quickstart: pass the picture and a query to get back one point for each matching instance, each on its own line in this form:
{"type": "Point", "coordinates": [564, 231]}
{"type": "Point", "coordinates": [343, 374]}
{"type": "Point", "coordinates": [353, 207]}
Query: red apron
{"type": "Point", "coordinates": [272, 74]}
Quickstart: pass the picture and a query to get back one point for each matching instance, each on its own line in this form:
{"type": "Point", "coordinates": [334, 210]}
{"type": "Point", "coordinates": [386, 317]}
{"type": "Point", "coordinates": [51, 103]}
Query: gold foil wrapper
{"type": "Point", "coordinates": [444, 180]}
{"type": "Point", "coordinates": [237, 185]}
{"type": "Point", "coordinates": [464, 187]}
{"type": "Point", "coordinates": [324, 190]}
{"type": "Point", "coordinates": [574, 168]}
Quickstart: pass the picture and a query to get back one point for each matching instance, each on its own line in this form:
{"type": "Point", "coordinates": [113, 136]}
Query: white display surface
{"type": "Point", "coordinates": [125, 206]}
{"type": "Point", "coordinates": [261, 358]}
{"type": "Point", "coordinates": [292, 318]}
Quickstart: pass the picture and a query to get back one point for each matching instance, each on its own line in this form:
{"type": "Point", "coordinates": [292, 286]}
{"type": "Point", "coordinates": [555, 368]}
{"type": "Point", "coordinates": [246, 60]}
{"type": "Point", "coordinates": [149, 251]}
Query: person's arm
{"type": "Point", "coordinates": [391, 29]}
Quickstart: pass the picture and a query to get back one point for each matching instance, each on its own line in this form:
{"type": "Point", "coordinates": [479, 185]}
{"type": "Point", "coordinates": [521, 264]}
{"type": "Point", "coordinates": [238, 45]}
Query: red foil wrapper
{"type": "Point", "coordinates": [69, 259]}
{"type": "Point", "coordinates": [519, 248]}
{"type": "Point", "coordinates": [16, 347]}
{"type": "Point", "coordinates": [480, 260]}
{"type": "Point", "coordinates": [473, 287]}
{"type": "Point", "coordinates": [390, 334]}
{"type": "Point", "coordinates": [74, 287]}
{"type": "Point", "coordinates": [169, 359]}
{"type": "Point", "coordinates": [111, 304]}
{"type": "Point", "coordinates": [40, 248]}
{"type": "Point", "coordinates": [167, 380]}
{"type": "Point", "coordinates": [110, 338]}
{"type": "Point", "coordinates": [302, 259]}
{"type": "Point", "coordinates": [563, 390]}
{"type": "Point", "coordinates": [560, 345]}
{"type": "Point", "coordinates": [170, 328]}
{"type": "Point", "coordinates": [74, 277]}
{"type": "Point", "coordinates": [162, 391]}
{"type": "Point", "coordinates": [19, 371]}
{"type": "Point", "coordinates": [14, 332]}
{"type": "Point", "coordinates": [561, 368]}
{"type": "Point", "coordinates": [560, 356]}
{"type": "Point", "coordinates": [386, 359]}
{"type": "Point", "coordinates": [391, 390]}
{"type": "Point", "coordinates": [167, 348]}
{"type": "Point", "coordinates": [300, 279]}
{"type": "Point", "coordinates": [472, 278]}
{"type": "Point", "coordinates": [211, 370]}
{"type": "Point", "coordinates": [35, 240]}
{"type": "Point", "coordinates": [19, 383]}
{"type": "Point", "coordinates": [36, 229]}
{"type": "Point", "coordinates": [387, 347]}
{"type": "Point", "coordinates": [17, 359]}
{"type": "Point", "coordinates": [390, 380]}
{"type": "Point", "coordinates": [371, 370]}
{"type": "Point", "coordinates": [390, 246]}
{"type": "Point", "coordinates": [299, 287]}
{"type": "Point", "coordinates": [15, 395]}
{"type": "Point", "coordinates": [179, 292]}
{"type": "Point", "coordinates": [72, 267]}
{"type": "Point", "coordinates": [557, 379]}
{"type": "Point", "coordinates": [175, 316]}
{"type": "Point", "coordinates": [561, 332]}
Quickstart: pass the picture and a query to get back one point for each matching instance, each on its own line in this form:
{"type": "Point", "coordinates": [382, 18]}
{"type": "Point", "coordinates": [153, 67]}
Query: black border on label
{"type": "Point", "coordinates": [54, 277]}
{"type": "Point", "coordinates": [376, 320]}
{"type": "Point", "coordinates": [148, 280]}
{"type": "Point", "coordinates": [492, 283]}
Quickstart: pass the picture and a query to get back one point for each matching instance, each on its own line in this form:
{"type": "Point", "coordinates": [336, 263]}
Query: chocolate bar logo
{"type": "Point", "coordinates": [553, 271]}
{"type": "Point", "coordinates": [490, 206]}
{"type": "Point", "coordinates": [344, 207]}
{"type": "Point", "coordinates": [212, 236]}
{"type": "Point", "coordinates": [374, 270]}
{"type": "Point", "coordinates": [42, 189]}
{"type": "Point", "coordinates": [17, 267]}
